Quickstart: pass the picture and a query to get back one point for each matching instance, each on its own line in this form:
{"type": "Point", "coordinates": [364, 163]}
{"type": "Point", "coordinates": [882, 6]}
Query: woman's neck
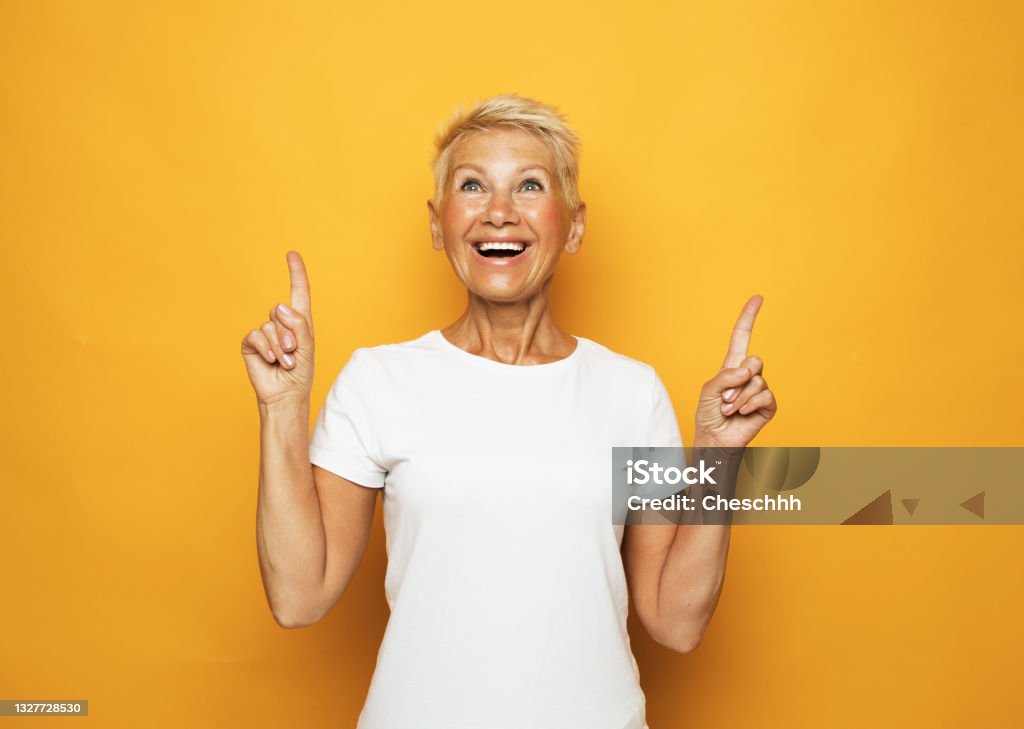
{"type": "Point", "coordinates": [515, 333]}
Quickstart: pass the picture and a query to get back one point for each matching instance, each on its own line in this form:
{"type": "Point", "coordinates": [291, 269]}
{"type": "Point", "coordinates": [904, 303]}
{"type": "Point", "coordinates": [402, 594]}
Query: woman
{"type": "Point", "coordinates": [491, 441]}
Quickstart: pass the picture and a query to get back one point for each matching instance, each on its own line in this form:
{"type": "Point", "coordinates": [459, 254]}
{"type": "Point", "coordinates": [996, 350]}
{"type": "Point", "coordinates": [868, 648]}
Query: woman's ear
{"type": "Point", "coordinates": [579, 222]}
{"type": "Point", "coordinates": [435, 227]}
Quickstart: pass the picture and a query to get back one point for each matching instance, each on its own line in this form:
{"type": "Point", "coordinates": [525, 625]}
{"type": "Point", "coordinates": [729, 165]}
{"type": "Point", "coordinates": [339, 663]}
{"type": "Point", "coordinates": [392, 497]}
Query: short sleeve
{"type": "Point", "coordinates": [663, 431]}
{"type": "Point", "coordinates": [343, 440]}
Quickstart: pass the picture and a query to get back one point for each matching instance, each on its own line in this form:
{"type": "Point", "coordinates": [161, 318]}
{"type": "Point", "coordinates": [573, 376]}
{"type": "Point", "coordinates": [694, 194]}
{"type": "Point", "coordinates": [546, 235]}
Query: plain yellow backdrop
{"type": "Point", "coordinates": [858, 164]}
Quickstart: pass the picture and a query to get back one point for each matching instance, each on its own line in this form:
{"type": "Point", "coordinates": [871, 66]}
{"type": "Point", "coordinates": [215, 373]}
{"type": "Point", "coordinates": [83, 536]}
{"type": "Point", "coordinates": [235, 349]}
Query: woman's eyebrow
{"type": "Point", "coordinates": [470, 166]}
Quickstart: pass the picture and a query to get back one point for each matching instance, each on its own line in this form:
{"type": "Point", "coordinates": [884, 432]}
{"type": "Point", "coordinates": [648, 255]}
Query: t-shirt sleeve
{"type": "Point", "coordinates": [663, 431]}
{"type": "Point", "coordinates": [343, 439]}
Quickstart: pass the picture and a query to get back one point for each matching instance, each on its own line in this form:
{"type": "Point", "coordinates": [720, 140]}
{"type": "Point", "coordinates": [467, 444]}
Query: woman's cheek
{"type": "Point", "coordinates": [548, 217]}
{"type": "Point", "coordinates": [552, 220]}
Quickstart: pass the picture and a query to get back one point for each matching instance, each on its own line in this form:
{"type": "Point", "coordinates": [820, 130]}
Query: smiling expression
{"type": "Point", "coordinates": [503, 222]}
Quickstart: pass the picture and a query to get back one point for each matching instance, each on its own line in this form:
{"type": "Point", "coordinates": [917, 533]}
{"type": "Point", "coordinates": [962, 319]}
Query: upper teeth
{"type": "Point", "coordinates": [501, 246]}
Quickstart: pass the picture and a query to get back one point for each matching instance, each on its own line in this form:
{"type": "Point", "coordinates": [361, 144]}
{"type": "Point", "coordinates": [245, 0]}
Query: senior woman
{"type": "Point", "coordinates": [490, 440]}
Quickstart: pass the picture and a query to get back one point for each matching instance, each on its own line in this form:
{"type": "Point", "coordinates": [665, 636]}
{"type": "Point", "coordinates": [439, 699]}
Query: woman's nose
{"type": "Point", "coordinates": [501, 209]}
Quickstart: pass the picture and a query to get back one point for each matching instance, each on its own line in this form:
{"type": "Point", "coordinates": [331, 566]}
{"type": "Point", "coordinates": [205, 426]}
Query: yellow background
{"type": "Point", "coordinates": [858, 164]}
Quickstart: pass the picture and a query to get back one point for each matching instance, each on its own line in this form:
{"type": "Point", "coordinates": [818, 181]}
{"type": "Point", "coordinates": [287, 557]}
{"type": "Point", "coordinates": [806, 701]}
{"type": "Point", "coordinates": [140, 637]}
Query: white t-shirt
{"type": "Point", "coordinates": [505, 581]}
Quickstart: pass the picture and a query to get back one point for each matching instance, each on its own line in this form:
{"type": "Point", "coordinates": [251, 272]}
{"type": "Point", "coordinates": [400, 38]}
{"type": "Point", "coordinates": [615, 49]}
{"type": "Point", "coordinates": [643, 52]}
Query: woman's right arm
{"type": "Point", "coordinates": [312, 526]}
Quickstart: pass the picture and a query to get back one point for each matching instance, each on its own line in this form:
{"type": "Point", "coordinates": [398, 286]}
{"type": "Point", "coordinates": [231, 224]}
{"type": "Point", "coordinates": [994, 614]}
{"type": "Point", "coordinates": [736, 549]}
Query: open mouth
{"type": "Point", "coordinates": [499, 249]}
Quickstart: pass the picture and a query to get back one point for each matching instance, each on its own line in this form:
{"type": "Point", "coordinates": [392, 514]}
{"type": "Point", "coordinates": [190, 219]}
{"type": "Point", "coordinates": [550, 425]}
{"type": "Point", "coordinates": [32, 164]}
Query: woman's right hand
{"type": "Point", "coordinates": [279, 354]}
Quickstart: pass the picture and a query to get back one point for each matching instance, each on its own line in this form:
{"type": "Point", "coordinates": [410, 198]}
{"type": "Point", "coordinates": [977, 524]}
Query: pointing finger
{"type": "Point", "coordinates": [741, 332]}
{"type": "Point", "coordinates": [300, 284]}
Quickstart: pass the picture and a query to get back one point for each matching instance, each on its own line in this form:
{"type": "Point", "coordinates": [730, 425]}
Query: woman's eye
{"type": "Point", "coordinates": [536, 185]}
{"type": "Point", "coordinates": [470, 186]}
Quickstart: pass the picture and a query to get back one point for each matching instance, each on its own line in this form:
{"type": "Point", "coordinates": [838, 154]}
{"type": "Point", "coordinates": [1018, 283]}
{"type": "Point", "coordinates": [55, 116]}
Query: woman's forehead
{"type": "Point", "coordinates": [502, 146]}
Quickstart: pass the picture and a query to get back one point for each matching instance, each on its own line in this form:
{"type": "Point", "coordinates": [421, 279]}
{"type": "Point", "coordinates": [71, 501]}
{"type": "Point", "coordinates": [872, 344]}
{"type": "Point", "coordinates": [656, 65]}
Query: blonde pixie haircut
{"type": "Point", "coordinates": [520, 112]}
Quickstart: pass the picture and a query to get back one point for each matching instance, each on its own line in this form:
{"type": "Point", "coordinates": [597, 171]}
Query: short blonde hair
{"type": "Point", "coordinates": [519, 112]}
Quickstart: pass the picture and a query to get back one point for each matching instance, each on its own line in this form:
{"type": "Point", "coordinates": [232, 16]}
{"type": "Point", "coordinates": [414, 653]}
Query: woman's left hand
{"type": "Point", "coordinates": [736, 403]}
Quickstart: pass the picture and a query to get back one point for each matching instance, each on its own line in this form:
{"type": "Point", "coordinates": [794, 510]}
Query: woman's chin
{"type": "Point", "coordinates": [500, 291]}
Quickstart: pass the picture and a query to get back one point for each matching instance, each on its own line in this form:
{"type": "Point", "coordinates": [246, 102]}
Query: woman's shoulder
{"type": "Point", "coordinates": [617, 363]}
{"type": "Point", "coordinates": [409, 352]}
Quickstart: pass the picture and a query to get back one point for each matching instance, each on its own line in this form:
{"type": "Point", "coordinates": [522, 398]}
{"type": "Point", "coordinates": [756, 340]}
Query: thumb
{"type": "Point", "coordinates": [298, 323]}
{"type": "Point", "coordinates": [729, 378]}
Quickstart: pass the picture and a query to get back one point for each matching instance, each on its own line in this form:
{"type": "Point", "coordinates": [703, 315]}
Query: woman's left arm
{"type": "Point", "coordinates": [676, 573]}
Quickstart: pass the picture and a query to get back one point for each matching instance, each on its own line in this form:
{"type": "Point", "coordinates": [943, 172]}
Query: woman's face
{"type": "Point", "coordinates": [503, 223]}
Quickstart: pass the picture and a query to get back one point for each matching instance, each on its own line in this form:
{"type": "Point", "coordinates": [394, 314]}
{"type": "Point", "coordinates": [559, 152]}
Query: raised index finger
{"type": "Point", "coordinates": [741, 332]}
{"type": "Point", "coordinates": [299, 282]}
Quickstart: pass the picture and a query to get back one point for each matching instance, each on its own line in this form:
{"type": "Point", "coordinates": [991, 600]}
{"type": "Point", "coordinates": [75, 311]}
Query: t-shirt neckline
{"type": "Point", "coordinates": [479, 361]}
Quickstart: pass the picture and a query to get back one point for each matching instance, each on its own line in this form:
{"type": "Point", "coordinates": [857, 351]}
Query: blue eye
{"type": "Point", "coordinates": [538, 187]}
{"type": "Point", "coordinates": [469, 182]}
